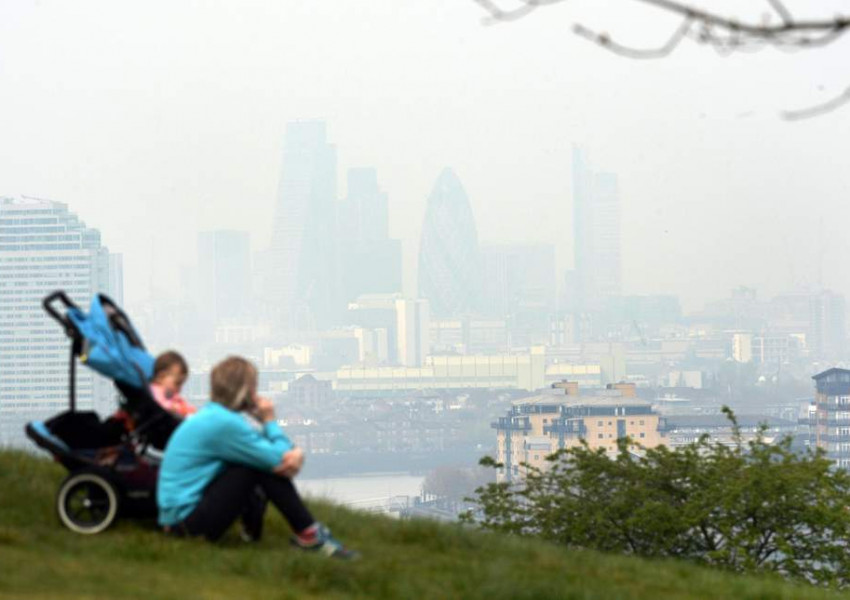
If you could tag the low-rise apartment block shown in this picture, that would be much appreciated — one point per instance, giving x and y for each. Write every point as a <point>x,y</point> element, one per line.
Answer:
<point>538,426</point>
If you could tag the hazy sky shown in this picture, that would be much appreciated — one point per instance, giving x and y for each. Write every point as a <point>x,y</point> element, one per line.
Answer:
<point>156,119</point>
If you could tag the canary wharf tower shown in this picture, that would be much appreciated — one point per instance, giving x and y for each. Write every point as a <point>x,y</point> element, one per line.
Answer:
<point>449,273</point>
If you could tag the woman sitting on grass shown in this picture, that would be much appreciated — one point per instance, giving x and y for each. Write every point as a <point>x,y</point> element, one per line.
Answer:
<point>217,462</point>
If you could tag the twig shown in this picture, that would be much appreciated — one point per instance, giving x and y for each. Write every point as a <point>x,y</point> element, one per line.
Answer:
<point>524,9</point>
<point>818,110</point>
<point>650,53</point>
<point>782,11</point>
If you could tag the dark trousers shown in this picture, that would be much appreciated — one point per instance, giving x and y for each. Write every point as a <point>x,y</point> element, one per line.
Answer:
<point>244,492</point>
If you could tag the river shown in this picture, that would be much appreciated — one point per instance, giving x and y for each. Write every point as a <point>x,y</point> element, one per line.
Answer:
<point>371,491</point>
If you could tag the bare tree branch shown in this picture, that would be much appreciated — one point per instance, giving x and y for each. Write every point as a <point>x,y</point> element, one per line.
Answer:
<point>604,40</point>
<point>818,110</point>
<point>782,11</point>
<point>523,8</point>
<point>725,34</point>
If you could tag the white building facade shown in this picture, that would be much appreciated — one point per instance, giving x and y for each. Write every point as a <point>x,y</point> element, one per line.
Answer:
<point>43,248</point>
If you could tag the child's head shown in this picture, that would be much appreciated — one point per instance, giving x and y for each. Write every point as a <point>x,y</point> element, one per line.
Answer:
<point>170,371</point>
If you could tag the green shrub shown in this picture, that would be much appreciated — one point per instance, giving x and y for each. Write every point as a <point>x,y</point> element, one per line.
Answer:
<point>746,507</point>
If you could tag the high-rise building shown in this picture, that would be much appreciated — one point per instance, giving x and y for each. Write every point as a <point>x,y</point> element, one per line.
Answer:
<point>519,286</point>
<point>116,278</point>
<point>377,312</point>
<point>224,275</point>
<point>828,326</point>
<point>303,283</point>
<point>364,213</point>
<point>44,247</point>
<point>518,276</point>
<point>402,326</point>
<point>414,331</point>
<point>449,261</point>
<point>596,223</point>
<point>370,262</point>
<point>819,317</point>
<point>742,347</point>
<point>830,420</point>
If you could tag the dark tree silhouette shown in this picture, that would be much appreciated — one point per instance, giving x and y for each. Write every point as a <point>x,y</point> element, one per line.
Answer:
<point>778,28</point>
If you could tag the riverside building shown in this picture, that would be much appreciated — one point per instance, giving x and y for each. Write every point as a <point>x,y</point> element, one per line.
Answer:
<point>830,419</point>
<point>538,426</point>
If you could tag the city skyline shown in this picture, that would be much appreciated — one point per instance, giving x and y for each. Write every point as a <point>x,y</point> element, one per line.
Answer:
<point>201,147</point>
<point>514,268</point>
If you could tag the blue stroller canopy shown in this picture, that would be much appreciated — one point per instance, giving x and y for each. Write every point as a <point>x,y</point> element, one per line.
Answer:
<point>110,344</point>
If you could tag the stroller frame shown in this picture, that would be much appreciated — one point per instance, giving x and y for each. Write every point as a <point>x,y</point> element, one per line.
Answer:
<point>112,467</point>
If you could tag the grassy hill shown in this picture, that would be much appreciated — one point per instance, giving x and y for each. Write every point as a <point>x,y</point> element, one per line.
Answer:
<point>401,559</point>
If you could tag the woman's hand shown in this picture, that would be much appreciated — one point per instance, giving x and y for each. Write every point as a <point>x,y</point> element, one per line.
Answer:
<point>264,410</point>
<point>291,464</point>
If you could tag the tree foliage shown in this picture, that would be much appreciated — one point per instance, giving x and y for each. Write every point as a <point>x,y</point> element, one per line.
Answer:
<point>455,483</point>
<point>748,507</point>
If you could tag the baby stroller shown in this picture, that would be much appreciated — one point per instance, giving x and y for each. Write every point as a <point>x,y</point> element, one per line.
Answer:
<point>112,464</point>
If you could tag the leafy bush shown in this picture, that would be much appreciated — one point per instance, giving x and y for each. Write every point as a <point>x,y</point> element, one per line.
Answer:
<point>748,507</point>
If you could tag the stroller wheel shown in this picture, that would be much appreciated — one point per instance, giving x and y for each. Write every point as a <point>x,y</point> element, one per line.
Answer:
<point>86,503</point>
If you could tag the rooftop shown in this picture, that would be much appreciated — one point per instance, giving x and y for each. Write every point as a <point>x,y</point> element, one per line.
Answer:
<point>832,371</point>
<point>563,399</point>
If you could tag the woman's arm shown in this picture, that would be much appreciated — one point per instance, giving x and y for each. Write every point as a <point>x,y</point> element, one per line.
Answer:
<point>292,460</point>
<point>242,444</point>
<point>291,464</point>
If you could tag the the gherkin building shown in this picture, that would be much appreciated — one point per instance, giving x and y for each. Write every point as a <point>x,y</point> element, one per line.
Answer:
<point>449,266</point>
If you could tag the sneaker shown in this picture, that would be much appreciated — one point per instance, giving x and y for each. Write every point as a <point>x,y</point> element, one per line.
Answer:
<point>326,544</point>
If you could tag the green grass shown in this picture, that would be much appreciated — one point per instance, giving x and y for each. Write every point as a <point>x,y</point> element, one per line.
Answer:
<point>39,559</point>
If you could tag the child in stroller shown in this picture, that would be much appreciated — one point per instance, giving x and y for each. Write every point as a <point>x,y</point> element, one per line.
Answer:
<point>113,464</point>
<point>169,374</point>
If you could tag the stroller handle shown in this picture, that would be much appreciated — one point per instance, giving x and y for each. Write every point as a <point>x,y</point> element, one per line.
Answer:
<point>119,319</point>
<point>60,318</point>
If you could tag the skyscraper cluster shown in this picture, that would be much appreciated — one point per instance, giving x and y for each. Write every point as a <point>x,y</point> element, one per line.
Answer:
<point>326,251</point>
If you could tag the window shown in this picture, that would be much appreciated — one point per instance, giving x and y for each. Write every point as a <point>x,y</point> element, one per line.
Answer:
<point>599,423</point>
<point>600,436</point>
<point>641,422</point>
<point>642,434</point>
<point>545,421</point>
